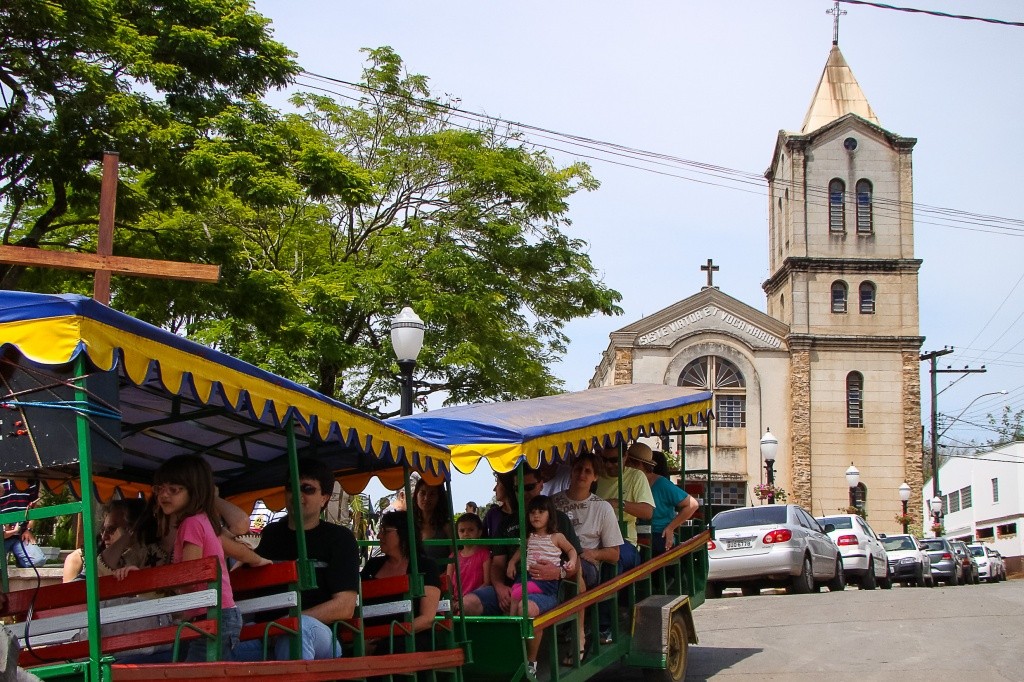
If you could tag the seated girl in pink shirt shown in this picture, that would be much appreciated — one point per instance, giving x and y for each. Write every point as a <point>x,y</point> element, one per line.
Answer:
<point>474,560</point>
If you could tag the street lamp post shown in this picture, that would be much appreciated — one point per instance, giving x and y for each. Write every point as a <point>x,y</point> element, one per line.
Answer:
<point>769,446</point>
<point>936,504</point>
<point>904,498</point>
<point>407,340</point>
<point>852,479</point>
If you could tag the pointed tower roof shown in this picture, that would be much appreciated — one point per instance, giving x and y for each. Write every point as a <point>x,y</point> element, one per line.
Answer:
<point>838,94</point>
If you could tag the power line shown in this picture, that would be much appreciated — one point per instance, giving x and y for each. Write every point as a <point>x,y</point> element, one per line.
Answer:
<point>728,178</point>
<point>934,13</point>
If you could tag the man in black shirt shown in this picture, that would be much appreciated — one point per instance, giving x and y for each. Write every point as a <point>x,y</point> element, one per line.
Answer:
<point>335,555</point>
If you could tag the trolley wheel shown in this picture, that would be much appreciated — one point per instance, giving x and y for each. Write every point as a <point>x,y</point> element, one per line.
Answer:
<point>678,651</point>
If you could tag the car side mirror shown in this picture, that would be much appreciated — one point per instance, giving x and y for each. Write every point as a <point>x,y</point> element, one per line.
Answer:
<point>881,536</point>
<point>829,527</point>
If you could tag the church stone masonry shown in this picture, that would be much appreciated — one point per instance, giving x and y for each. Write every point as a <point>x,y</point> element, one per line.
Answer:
<point>833,367</point>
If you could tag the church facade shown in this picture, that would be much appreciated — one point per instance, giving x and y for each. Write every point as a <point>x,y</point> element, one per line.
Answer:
<point>832,367</point>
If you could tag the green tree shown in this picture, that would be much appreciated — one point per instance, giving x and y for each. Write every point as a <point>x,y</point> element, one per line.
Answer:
<point>79,77</point>
<point>466,225</point>
<point>1009,427</point>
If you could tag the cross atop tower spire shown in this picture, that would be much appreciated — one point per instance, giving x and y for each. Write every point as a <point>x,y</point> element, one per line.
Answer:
<point>836,13</point>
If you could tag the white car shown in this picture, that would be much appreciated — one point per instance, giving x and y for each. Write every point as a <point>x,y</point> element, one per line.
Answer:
<point>909,563</point>
<point>864,557</point>
<point>990,563</point>
<point>771,545</point>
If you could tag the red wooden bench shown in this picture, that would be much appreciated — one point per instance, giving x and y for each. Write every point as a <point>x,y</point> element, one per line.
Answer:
<point>50,620</point>
<point>250,587</point>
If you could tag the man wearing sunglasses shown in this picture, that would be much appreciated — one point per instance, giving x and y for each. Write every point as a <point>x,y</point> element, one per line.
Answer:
<point>637,500</point>
<point>335,556</point>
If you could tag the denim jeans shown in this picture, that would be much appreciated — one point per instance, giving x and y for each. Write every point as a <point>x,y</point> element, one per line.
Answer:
<point>22,556</point>
<point>317,643</point>
<point>230,628</point>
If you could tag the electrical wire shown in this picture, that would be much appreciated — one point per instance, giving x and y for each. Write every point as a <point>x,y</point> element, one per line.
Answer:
<point>934,13</point>
<point>599,150</point>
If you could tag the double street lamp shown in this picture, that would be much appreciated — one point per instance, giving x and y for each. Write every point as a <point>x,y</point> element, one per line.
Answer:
<point>852,479</point>
<point>407,340</point>
<point>769,447</point>
<point>904,498</point>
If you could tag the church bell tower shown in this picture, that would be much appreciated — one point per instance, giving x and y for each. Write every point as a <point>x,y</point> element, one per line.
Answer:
<point>843,277</point>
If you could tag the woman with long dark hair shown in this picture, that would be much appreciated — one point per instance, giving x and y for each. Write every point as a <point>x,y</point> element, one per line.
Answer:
<point>394,561</point>
<point>433,522</point>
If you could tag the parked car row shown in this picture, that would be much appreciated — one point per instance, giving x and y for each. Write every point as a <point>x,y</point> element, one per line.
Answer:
<point>784,546</point>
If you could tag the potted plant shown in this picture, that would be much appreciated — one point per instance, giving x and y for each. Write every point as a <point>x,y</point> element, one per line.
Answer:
<point>764,491</point>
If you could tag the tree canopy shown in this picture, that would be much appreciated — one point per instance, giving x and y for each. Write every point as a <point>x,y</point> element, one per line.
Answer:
<point>80,77</point>
<point>330,218</point>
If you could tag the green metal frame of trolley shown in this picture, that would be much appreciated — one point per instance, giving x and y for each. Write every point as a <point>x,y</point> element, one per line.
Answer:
<point>105,398</point>
<point>660,593</point>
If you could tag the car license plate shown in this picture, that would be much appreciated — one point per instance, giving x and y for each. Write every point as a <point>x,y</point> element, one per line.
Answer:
<point>739,544</point>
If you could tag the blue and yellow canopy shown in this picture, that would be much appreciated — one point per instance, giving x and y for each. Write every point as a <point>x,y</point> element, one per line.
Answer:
<point>555,427</point>
<point>176,396</point>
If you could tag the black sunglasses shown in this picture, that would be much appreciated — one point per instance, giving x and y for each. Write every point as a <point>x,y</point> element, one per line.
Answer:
<point>530,486</point>
<point>309,489</point>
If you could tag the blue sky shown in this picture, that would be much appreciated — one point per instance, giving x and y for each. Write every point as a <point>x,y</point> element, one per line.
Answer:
<point>713,82</point>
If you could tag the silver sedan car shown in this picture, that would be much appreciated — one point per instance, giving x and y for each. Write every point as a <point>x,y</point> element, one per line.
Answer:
<point>772,545</point>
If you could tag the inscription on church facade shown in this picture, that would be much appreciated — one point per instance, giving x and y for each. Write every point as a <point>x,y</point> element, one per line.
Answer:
<point>705,313</point>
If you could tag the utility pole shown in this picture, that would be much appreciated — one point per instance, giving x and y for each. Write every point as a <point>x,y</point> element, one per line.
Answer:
<point>931,357</point>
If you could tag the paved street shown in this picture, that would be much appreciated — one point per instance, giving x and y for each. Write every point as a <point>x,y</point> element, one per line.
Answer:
<point>903,633</point>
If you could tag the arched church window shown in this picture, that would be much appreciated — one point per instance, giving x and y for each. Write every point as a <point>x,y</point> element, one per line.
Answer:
<point>864,225</point>
<point>837,205</point>
<point>867,298</point>
<point>839,292</point>
<point>855,400</point>
<point>713,373</point>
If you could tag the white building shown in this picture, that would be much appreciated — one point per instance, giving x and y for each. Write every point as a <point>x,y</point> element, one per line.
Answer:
<point>983,500</point>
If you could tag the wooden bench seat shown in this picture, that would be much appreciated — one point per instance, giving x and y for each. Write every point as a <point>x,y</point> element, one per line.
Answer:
<point>257,581</point>
<point>51,619</point>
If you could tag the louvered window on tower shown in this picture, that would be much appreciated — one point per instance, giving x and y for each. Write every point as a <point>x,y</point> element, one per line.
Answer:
<point>839,292</point>
<point>837,206</point>
<point>864,225</point>
<point>867,298</point>
<point>854,400</point>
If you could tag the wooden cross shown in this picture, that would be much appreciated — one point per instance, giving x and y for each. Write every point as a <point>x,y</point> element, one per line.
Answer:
<point>836,13</point>
<point>711,269</point>
<point>103,263</point>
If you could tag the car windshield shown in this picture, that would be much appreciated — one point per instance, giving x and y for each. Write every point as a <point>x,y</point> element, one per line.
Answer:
<point>932,544</point>
<point>750,516</point>
<point>840,522</point>
<point>899,542</point>
<point>978,551</point>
